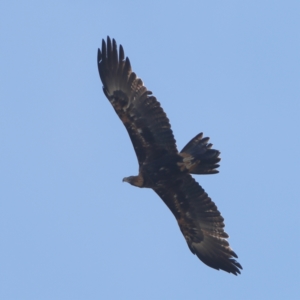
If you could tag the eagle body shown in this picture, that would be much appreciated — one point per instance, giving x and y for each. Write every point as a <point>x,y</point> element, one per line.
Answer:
<point>163,170</point>
<point>161,166</point>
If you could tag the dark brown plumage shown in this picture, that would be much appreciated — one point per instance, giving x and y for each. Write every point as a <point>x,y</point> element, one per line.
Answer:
<point>161,166</point>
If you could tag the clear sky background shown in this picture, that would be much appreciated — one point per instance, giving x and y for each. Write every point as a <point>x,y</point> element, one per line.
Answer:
<point>69,227</point>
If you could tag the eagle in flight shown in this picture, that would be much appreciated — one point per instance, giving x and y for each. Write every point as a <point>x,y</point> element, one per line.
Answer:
<point>161,167</point>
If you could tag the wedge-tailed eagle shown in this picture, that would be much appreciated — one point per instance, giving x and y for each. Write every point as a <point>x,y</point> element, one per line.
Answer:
<point>161,167</point>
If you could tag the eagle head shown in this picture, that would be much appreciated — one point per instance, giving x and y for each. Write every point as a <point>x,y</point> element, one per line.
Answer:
<point>134,180</point>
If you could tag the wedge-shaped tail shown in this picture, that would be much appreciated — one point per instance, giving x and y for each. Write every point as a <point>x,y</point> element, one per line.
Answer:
<point>198,156</point>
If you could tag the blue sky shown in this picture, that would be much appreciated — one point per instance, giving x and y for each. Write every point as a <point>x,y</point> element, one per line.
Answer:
<point>69,227</point>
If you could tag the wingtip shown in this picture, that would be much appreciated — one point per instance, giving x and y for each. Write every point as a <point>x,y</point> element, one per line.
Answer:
<point>111,44</point>
<point>224,260</point>
<point>127,65</point>
<point>103,48</point>
<point>99,56</point>
<point>236,267</point>
<point>121,53</point>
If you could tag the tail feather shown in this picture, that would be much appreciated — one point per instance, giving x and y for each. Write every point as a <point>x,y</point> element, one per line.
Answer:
<point>199,157</point>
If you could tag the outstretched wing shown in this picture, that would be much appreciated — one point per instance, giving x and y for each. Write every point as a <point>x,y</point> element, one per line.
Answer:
<point>200,222</point>
<point>146,122</point>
